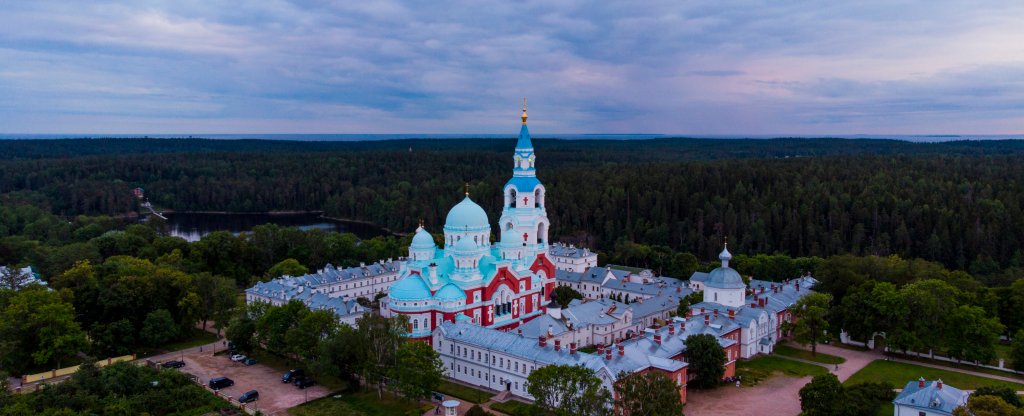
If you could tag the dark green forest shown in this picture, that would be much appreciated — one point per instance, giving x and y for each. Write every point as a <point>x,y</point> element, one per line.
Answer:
<point>958,203</point>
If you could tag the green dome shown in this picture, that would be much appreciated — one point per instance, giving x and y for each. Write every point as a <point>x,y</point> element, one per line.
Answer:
<point>466,215</point>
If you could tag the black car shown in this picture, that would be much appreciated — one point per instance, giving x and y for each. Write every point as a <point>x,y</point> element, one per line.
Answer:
<point>304,382</point>
<point>173,364</point>
<point>292,375</point>
<point>249,396</point>
<point>221,382</point>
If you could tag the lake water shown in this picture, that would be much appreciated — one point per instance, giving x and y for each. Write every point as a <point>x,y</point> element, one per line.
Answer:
<point>192,226</point>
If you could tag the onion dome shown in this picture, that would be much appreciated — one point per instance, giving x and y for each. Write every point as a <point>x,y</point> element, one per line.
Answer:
<point>422,239</point>
<point>509,238</point>
<point>465,245</point>
<point>409,288</point>
<point>725,277</point>
<point>466,214</point>
<point>450,293</point>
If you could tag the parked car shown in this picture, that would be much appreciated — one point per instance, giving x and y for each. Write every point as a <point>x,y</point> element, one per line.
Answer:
<point>290,376</point>
<point>173,364</point>
<point>221,382</point>
<point>304,382</point>
<point>238,358</point>
<point>249,396</point>
<point>249,361</point>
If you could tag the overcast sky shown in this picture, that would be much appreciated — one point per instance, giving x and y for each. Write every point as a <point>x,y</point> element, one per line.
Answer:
<point>679,67</point>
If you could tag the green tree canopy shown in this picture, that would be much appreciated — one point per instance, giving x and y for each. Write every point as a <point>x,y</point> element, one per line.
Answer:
<point>287,267</point>
<point>650,393</point>
<point>565,390</point>
<point>822,396</point>
<point>706,360</point>
<point>810,319</point>
<point>565,294</point>
<point>418,370</point>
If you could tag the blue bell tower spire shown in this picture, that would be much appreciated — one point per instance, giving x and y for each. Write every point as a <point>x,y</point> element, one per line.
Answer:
<point>524,157</point>
<point>524,220</point>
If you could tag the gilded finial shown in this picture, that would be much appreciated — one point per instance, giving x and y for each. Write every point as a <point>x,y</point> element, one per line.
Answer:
<point>467,188</point>
<point>524,111</point>
<point>727,241</point>
<point>421,222</point>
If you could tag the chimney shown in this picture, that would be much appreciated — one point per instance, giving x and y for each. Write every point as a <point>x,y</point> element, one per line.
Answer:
<point>433,273</point>
<point>732,314</point>
<point>558,345</point>
<point>572,348</point>
<point>762,289</point>
<point>657,338</point>
<point>701,310</point>
<point>622,350</point>
<point>707,319</point>
<point>608,354</point>
<point>716,312</point>
<point>920,383</point>
<point>753,304</point>
<point>600,349</point>
<point>797,286</point>
<point>938,384</point>
<point>762,302</point>
<point>682,327</point>
<point>679,289</point>
<point>520,331</point>
<point>671,329</point>
<point>543,342</point>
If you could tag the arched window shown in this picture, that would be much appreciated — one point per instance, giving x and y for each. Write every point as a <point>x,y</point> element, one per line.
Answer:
<point>415,324</point>
<point>512,198</point>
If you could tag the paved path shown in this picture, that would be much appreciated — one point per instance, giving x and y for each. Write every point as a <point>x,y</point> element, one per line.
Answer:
<point>855,360</point>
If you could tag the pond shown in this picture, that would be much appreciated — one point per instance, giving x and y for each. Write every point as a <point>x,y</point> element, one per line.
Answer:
<point>193,225</point>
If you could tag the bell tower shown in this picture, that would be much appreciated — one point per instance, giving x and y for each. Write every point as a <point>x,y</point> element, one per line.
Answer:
<point>524,217</point>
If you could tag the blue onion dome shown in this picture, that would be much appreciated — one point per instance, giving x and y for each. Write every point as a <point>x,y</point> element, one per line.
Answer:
<point>422,239</point>
<point>450,293</point>
<point>509,238</point>
<point>465,245</point>
<point>410,288</point>
<point>466,214</point>
<point>725,255</point>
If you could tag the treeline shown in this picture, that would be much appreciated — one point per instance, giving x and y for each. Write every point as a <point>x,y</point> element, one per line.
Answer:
<point>916,305</point>
<point>956,203</point>
<point>119,389</point>
<point>114,289</point>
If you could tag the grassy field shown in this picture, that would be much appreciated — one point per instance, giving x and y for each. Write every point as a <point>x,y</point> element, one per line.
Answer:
<point>510,406</point>
<point>806,355</point>
<point>899,374</point>
<point>364,403</point>
<point>466,393</point>
<point>762,367</point>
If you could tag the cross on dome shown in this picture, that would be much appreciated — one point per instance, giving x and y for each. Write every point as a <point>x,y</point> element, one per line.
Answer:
<point>524,111</point>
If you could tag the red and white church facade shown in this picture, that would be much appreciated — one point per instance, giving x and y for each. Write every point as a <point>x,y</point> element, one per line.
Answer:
<point>496,285</point>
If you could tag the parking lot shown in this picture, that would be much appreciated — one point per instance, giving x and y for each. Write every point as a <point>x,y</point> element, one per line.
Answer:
<point>275,397</point>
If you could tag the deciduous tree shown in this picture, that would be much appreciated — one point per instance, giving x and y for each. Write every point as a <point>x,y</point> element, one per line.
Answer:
<point>706,359</point>
<point>822,396</point>
<point>810,319</point>
<point>565,390</point>
<point>418,370</point>
<point>650,393</point>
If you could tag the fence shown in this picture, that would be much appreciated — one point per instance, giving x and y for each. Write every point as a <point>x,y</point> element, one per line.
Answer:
<point>66,371</point>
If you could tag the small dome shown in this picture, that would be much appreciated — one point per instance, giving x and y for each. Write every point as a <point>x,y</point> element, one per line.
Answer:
<point>509,238</point>
<point>465,245</point>
<point>422,239</point>
<point>725,278</point>
<point>409,288</point>
<point>725,255</point>
<point>466,214</point>
<point>450,293</point>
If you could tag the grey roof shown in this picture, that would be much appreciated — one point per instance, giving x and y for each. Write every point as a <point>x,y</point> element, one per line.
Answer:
<point>654,305</point>
<point>562,250</point>
<point>538,327</point>
<point>724,277</point>
<point>931,397</point>
<point>699,277</point>
<point>594,312</point>
<point>643,283</point>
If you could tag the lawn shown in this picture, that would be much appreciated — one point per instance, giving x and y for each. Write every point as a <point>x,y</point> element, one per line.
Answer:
<point>463,392</point>
<point>806,355</point>
<point>363,403</point>
<point>511,406</point>
<point>900,373</point>
<point>762,367</point>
